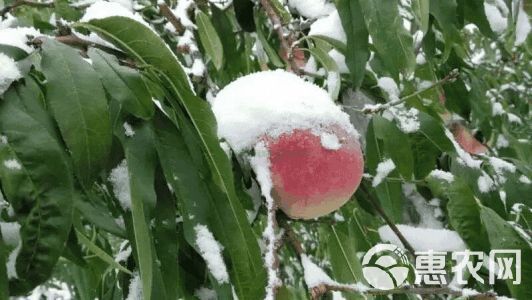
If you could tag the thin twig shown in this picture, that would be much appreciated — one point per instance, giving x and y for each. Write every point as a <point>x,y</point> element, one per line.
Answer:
<point>18,3</point>
<point>388,221</point>
<point>172,18</point>
<point>324,288</point>
<point>381,107</point>
<point>286,44</point>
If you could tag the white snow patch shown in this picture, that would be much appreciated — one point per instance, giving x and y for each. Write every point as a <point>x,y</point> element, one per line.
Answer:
<point>271,103</point>
<point>211,251</point>
<point>312,9</point>
<point>330,26</point>
<point>124,252</point>
<point>135,288</point>
<point>514,119</point>
<point>261,166</point>
<point>8,73</point>
<point>524,179</point>
<point>522,26</point>
<point>501,166</point>
<point>204,293</point>
<point>18,37</point>
<point>497,21</point>
<point>181,12</point>
<point>502,142</point>
<point>12,164</point>
<point>389,86</point>
<point>330,141</point>
<point>383,169</point>
<point>119,178</point>
<point>443,175</point>
<point>496,109</point>
<point>424,239</point>
<point>128,130</point>
<point>407,119</point>
<point>313,274</point>
<point>103,9</point>
<point>485,183</point>
<point>11,236</point>
<point>339,59</point>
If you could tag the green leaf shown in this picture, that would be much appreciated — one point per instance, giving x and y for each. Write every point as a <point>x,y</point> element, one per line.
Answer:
<point>123,84</point>
<point>210,39</point>
<point>474,12</point>
<point>342,249</point>
<point>444,11</point>
<point>100,253</point>
<point>433,131</point>
<point>13,52</point>
<point>78,103</point>
<point>357,54</point>
<point>150,49</point>
<point>141,160</point>
<point>336,44</point>
<point>501,237</point>
<point>99,216</point>
<point>48,187</point>
<point>391,40</point>
<point>421,14</point>
<point>464,216</point>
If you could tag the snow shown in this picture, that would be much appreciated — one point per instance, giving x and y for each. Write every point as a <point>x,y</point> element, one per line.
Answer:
<point>204,293</point>
<point>524,179</point>
<point>261,166</point>
<point>339,59</point>
<point>313,274</point>
<point>3,139</point>
<point>18,37</point>
<point>502,142</point>
<point>311,9</point>
<point>464,158</point>
<point>389,86</point>
<point>135,288</point>
<point>187,40</point>
<point>8,73</point>
<point>424,239</point>
<point>12,164</point>
<point>443,175</point>
<point>522,26</point>
<point>496,109</point>
<point>103,9</point>
<point>211,251</point>
<point>330,141</point>
<point>11,236</point>
<point>271,103</point>
<point>408,119</point>
<point>119,178</point>
<point>124,252</point>
<point>330,26</point>
<point>501,166</point>
<point>128,130</point>
<point>383,169</point>
<point>427,211</point>
<point>514,119</point>
<point>197,69</point>
<point>55,290</point>
<point>181,12</point>
<point>485,183</point>
<point>497,21</point>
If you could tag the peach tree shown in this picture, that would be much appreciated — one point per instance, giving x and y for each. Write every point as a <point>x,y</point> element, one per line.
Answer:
<point>259,149</point>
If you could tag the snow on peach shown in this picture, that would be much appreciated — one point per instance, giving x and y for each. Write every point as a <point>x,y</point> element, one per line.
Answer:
<point>384,168</point>
<point>424,239</point>
<point>311,9</point>
<point>330,141</point>
<point>273,103</point>
<point>443,175</point>
<point>119,179</point>
<point>8,73</point>
<point>211,251</point>
<point>18,37</point>
<point>464,158</point>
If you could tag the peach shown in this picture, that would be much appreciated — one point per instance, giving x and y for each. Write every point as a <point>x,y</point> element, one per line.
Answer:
<point>310,180</point>
<point>466,140</point>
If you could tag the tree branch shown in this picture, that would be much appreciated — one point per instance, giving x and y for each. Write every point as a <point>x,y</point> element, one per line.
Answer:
<point>372,109</point>
<point>18,3</point>
<point>172,18</point>
<point>321,289</point>
<point>286,44</point>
